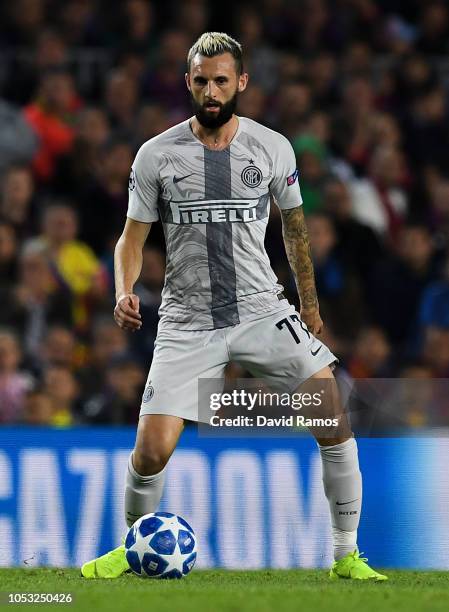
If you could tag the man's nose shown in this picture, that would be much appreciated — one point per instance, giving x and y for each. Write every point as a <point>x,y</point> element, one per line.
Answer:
<point>211,89</point>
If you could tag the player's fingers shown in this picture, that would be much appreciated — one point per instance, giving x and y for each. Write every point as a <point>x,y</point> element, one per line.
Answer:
<point>128,311</point>
<point>130,321</point>
<point>125,321</point>
<point>130,324</point>
<point>131,327</point>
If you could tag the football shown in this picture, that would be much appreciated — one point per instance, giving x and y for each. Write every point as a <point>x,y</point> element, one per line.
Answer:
<point>161,545</point>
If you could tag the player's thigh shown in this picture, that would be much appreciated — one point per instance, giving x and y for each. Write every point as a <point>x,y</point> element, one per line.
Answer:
<point>280,349</point>
<point>156,439</point>
<point>181,359</point>
<point>331,423</point>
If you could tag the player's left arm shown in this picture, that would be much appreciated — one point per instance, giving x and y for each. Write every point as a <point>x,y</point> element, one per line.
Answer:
<point>297,247</point>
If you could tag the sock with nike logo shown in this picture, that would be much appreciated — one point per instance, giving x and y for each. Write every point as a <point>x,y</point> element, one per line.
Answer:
<point>142,493</point>
<point>343,487</point>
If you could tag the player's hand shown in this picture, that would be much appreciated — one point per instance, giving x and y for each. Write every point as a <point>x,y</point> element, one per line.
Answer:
<point>313,320</point>
<point>126,312</point>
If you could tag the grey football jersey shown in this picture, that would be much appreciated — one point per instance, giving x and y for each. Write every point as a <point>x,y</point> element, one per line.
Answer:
<point>214,206</point>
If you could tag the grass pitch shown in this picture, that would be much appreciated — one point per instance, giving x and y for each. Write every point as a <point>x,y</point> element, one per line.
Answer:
<point>232,591</point>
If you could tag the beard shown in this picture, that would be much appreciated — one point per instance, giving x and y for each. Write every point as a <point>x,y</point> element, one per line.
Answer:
<point>213,121</point>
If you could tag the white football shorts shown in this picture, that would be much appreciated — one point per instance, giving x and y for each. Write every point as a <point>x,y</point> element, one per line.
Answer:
<point>276,347</point>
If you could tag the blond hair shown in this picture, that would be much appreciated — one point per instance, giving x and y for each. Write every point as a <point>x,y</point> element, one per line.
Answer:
<point>211,44</point>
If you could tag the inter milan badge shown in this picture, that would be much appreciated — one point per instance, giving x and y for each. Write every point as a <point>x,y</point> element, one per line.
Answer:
<point>252,176</point>
<point>131,181</point>
<point>148,393</point>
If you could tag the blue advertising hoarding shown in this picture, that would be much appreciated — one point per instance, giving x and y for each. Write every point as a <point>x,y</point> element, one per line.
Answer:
<point>252,502</point>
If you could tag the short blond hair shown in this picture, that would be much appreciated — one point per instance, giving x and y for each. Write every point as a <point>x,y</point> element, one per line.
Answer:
<point>211,44</point>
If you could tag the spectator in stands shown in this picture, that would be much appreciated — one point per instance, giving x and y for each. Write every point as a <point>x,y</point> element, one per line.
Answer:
<point>81,23</point>
<point>51,116</point>
<point>8,255</point>
<point>322,73</point>
<point>352,122</point>
<point>18,142</point>
<point>50,52</point>
<point>107,341</point>
<point>119,400</point>
<point>435,352</point>
<point>358,244</point>
<point>121,99</point>
<point>59,348</point>
<point>252,103</point>
<point>35,302</point>
<point>293,106</point>
<point>62,388</point>
<point>434,31</point>
<point>372,355</point>
<point>311,157</point>
<point>357,59</point>
<point>38,408</point>
<point>17,199</point>
<point>13,382</point>
<point>192,17</point>
<point>398,282</point>
<point>104,200</point>
<point>419,408</point>
<point>24,19</point>
<point>74,263</point>
<point>136,26</point>
<point>151,121</point>
<point>261,60</point>
<point>385,132</point>
<point>92,132</point>
<point>380,200</point>
<point>164,83</point>
<point>433,311</point>
<point>426,128</point>
<point>439,211</point>
<point>340,294</point>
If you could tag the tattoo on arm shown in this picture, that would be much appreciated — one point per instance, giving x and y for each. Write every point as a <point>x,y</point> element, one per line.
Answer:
<point>297,247</point>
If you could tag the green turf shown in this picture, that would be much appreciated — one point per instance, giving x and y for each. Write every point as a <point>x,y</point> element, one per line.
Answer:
<point>233,591</point>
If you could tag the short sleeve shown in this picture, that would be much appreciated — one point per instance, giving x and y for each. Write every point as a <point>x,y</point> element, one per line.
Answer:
<point>143,187</point>
<point>285,184</point>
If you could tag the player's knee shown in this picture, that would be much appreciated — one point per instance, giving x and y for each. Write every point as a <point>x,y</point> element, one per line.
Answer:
<point>149,461</point>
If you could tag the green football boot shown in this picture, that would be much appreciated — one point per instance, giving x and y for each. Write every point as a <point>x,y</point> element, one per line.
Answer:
<point>111,565</point>
<point>355,567</point>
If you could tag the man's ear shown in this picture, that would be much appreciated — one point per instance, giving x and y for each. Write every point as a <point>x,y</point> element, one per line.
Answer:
<point>187,78</point>
<point>243,82</point>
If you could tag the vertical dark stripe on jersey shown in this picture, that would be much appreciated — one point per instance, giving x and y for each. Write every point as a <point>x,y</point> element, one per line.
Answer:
<point>223,283</point>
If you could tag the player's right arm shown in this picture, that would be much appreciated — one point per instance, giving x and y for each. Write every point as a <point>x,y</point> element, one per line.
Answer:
<point>142,211</point>
<point>127,268</point>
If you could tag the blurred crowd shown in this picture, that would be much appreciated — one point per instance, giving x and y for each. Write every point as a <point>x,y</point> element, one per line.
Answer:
<point>360,87</point>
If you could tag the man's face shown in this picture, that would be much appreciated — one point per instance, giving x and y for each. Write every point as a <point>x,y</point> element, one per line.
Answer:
<point>214,84</point>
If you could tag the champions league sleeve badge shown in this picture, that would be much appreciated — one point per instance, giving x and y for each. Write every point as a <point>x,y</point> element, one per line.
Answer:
<point>292,178</point>
<point>132,181</point>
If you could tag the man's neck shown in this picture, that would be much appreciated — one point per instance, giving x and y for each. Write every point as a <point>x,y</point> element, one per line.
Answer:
<point>215,138</point>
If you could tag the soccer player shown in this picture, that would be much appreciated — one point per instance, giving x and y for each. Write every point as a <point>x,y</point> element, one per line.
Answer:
<point>209,180</point>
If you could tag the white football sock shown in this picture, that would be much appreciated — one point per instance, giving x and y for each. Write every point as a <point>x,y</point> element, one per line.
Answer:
<point>343,488</point>
<point>142,493</point>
